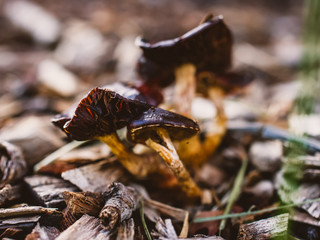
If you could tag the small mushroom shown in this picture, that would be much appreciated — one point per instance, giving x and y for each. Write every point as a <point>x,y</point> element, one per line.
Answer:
<point>204,48</point>
<point>157,128</point>
<point>98,116</point>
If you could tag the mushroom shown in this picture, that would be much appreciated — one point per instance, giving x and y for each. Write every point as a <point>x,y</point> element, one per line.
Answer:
<point>214,87</point>
<point>98,116</point>
<point>204,48</point>
<point>157,128</point>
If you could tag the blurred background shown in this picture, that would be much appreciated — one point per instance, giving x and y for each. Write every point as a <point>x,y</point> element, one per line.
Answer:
<point>53,51</point>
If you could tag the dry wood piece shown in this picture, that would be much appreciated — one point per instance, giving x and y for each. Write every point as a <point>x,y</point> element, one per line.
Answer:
<point>85,228</point>
<point>303,217</point>
<point>26,210</point>
<point>15,226</point>
<point>95,177</point>
<point>270,228</point>
<point>9,193</point>
<point>165,229</point>
<point>36,140</point>
<point>176,213</point>
<point>126,230</point>
<point>48,190</point>
<point>84,203</point>
<point>43,233</point>
<point>76,158</point>
<point>12,163</point>
<point>79,204</point>
<point>121,201</point>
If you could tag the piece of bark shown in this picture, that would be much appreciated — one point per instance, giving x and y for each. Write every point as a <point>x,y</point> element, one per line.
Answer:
<point>79,204</point>
<point>35,135</point>
<point>48,190</point>
<point>303,217</point>
<point>12,163</point>
<point>77,158</point>
<point>43,233</point>
<point>85,228</point>
<point>95,177</point>
<point>310,166</point>
<point>165,230</point>
<point>304,192</point>
<point>270,228</point>
<point>84,203</point>
<point>10,233</point>
<point>9,193</point>
<point>26,210</point>
<point>126,230</point>
<point>176,213</point>
<point>17,226</point>
<point>121,201</point>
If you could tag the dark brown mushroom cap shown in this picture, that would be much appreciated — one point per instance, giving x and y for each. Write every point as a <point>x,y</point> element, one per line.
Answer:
<point>124,90</point>
<point>100,113</point>
<point>229,81</point>
<point>178,126</point>
<point>207,46</point>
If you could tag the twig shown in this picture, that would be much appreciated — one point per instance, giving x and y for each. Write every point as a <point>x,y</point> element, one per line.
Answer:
<point>12,212</point>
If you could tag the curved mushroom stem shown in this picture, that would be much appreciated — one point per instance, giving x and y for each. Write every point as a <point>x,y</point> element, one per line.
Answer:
<point>201,150</point>
<point>170,155</point>
<point>185,88</point>
<point>135,164</point>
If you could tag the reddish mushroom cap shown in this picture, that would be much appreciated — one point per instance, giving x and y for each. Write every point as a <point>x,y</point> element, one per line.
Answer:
<point>124,90</point>
<point>100,113</point>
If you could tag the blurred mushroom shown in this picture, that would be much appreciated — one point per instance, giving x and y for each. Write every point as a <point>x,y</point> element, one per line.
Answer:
<point>98,116</point>
<point>204,48</point>
<point>12,163</point>
<point>155,128</point>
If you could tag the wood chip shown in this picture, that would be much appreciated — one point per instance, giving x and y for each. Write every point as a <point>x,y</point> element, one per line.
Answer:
<point>43,233</point>
<point>96,177</point>
<point>36,140</point>
<point>12,163</point>
<point>165,229</point>
<point>77,158</point>
<point>48,190</point>
<point>121,201</point>
<point>79,204</point>
<point>13,227</point>
<point>126,230</point>
<point>22,211</point>
<point>85,228</point>
<point>9,193</point>
<point>270,228</point>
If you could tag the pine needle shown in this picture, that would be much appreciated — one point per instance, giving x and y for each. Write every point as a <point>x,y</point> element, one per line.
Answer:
<point>146,230</point>
<point>236,189</point>
<point>56,154</point>
<point>243,214</point>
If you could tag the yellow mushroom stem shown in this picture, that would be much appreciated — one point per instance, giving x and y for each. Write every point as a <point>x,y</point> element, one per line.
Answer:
<point>200,151</point>
<point>184,92</point>
<point>169,154</point>
<point>135,164</point>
